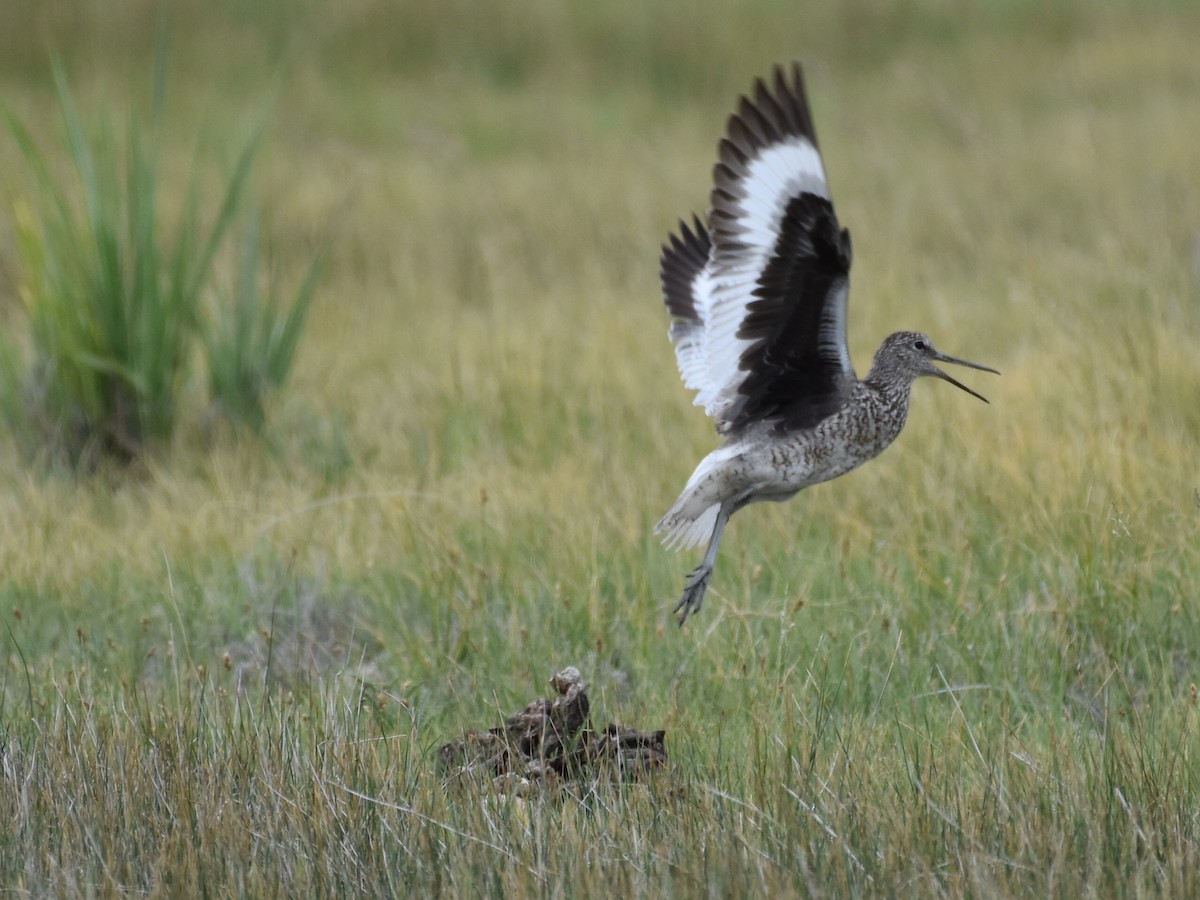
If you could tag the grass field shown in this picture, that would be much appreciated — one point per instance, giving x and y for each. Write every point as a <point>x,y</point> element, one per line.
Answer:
<point>968,669</point>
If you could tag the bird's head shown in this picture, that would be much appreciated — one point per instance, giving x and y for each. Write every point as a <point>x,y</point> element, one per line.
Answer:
<point>909,355</point>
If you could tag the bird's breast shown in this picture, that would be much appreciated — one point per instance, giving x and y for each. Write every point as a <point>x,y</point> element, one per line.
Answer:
<point>838,444</point>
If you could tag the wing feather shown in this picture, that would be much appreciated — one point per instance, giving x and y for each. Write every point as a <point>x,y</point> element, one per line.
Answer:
<point>759,297</point>
<point>687,291</point>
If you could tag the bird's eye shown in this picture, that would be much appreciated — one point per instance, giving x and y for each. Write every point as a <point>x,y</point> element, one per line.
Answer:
<point>920,345</point>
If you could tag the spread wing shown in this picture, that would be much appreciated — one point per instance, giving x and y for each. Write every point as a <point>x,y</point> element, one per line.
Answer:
<point>760,323</point>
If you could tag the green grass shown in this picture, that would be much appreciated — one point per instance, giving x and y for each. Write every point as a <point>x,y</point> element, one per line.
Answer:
<point>113,303</point>
<point>967,669</point>
<point>251,337</point>
<point>117,300</point>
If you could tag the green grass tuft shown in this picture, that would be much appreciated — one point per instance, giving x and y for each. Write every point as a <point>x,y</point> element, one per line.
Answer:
<point>117,300</point>
<point>113,303</point>
<point>251,337</point>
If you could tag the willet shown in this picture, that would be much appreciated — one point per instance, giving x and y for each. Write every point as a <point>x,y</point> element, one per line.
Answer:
<point>758,300</point>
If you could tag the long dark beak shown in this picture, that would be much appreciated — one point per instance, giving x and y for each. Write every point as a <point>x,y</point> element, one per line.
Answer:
<point>943,357</point>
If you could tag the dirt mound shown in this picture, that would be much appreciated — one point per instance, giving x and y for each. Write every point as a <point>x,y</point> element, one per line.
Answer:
<point>553,739</point>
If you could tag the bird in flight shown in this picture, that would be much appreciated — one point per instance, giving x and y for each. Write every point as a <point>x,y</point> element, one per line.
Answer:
<point>757,296</point>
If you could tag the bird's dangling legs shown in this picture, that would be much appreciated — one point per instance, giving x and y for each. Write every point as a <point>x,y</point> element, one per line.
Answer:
<point>697,581</point>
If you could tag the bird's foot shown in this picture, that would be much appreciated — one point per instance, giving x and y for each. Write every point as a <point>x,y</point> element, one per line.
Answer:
<point>693,593</point>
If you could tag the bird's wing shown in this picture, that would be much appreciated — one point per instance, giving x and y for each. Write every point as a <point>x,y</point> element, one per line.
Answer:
<point>687,291</point>
<point>795,368</point>
<point>764,333</point>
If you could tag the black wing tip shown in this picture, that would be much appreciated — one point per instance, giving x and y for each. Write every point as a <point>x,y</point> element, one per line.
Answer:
<point>684,256</point>
<point>782,86</point>
<point>688,243</point>
<point>776,108</point>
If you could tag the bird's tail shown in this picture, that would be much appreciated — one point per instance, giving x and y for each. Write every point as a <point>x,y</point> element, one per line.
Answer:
<point>682,531</point>
<point>684,526</point>
<point>691,519</point>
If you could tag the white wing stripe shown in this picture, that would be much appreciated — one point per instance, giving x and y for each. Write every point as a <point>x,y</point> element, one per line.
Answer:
<point>763,187</point>
<point>758,175</point>
<point>690,340</point>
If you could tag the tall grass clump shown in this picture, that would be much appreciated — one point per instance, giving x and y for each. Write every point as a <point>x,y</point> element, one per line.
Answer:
<point>251,337</point>
<point>115,297</point>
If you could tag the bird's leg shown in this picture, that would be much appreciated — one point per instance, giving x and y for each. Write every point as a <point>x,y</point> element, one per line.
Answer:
<point>697,581</point>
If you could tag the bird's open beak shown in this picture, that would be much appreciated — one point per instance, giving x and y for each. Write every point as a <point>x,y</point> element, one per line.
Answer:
<point>942,357</point>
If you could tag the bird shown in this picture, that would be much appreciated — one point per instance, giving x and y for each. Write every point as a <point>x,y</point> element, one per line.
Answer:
<point>757,295</point>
